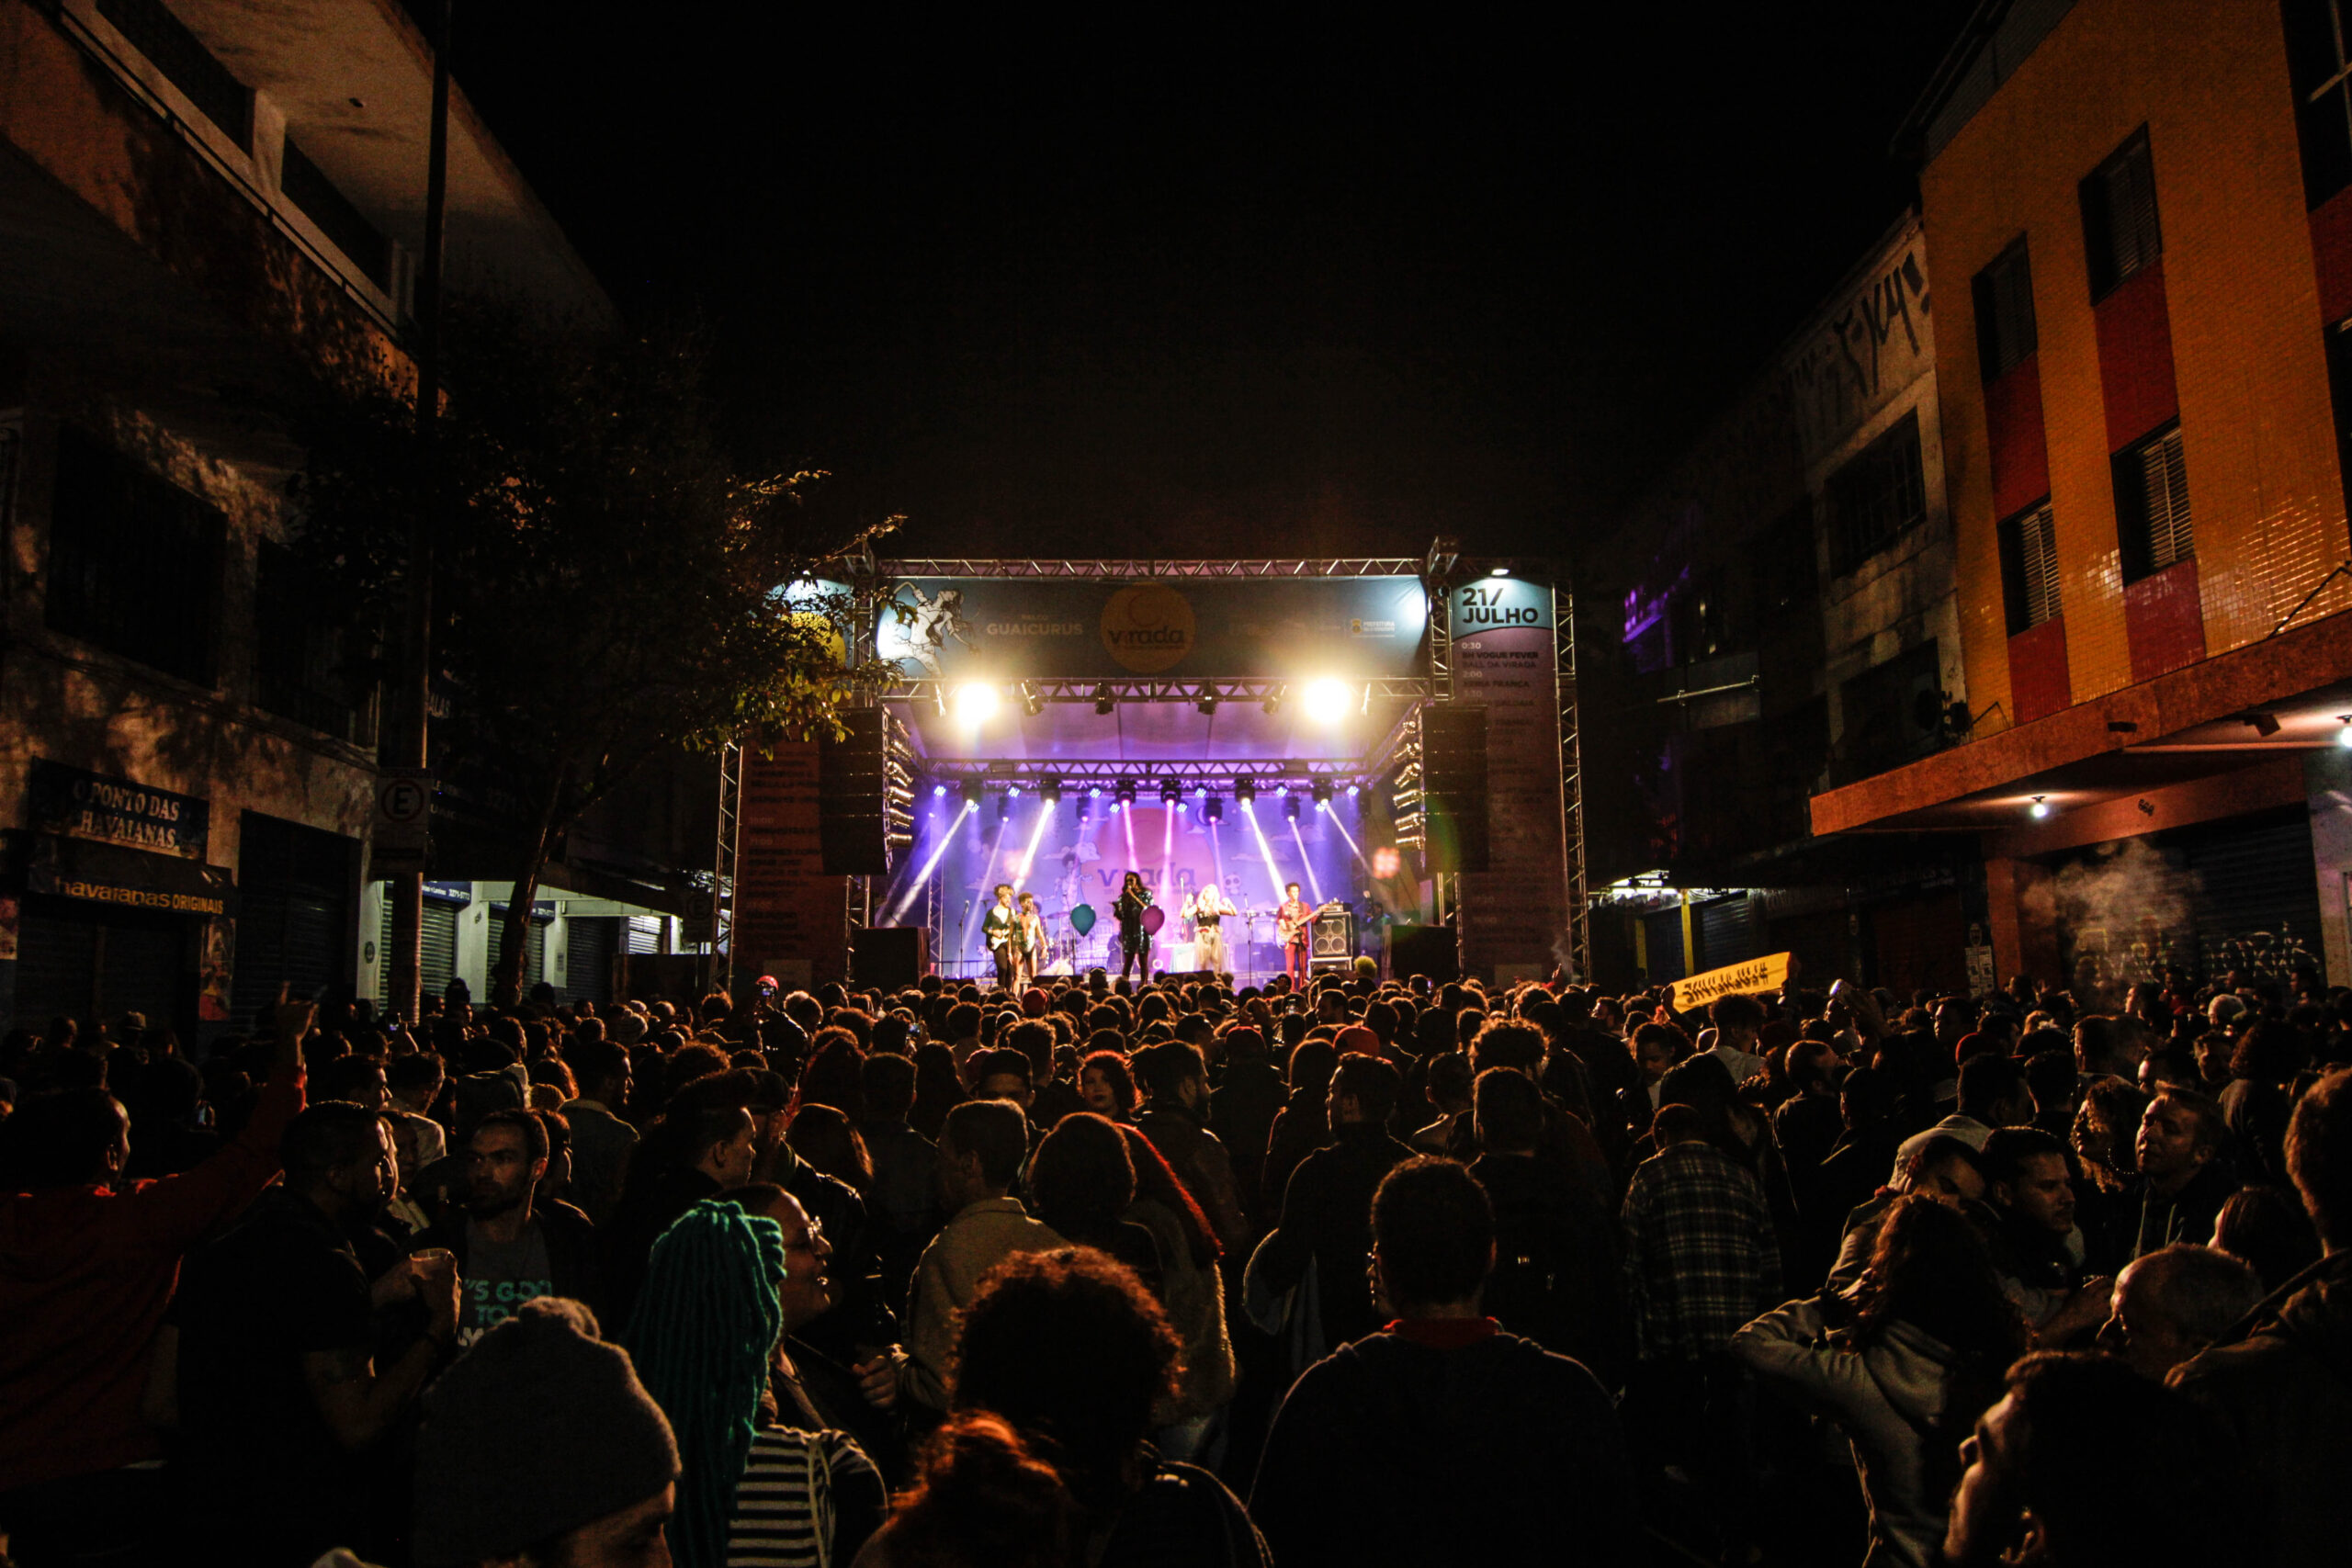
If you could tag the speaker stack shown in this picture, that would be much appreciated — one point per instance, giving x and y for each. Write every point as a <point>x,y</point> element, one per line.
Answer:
<point>1454,782</point>
<point>891,957</point>
<point>865,796</point>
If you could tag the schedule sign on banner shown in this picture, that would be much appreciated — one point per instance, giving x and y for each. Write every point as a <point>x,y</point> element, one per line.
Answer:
<point>1514,916</point>
<point>1019,628</point>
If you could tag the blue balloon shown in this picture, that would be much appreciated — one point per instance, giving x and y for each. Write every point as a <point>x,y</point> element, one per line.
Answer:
<point>1081,918</point>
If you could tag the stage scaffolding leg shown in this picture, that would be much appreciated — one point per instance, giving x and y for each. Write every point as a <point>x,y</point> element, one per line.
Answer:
<point>722,881</point>
<point>1579,933</point>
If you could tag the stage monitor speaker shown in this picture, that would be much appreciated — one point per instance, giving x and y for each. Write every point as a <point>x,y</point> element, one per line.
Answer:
<point>1334,936</point>
<point>1423,950</point>
<point>890,956</point>
<point>1453,777</point>
<point>850,833</point>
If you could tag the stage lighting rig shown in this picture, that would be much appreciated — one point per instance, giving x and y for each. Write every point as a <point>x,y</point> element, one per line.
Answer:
<point>1105,703</point>
<point>1171,791</point>
<point>1030,701</point>
<point>1051,788</point>
<point>1273,702</point>
<point>1126,795</point>
<point>1213,809</point>
<point>974,793</point>
<point>1245,791</point>
<point>1290,805</point>
<point>1207,704</point>
<point>1323,795</point>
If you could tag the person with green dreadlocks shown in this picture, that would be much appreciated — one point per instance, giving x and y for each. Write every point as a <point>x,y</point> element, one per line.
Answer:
<point>705,1333</point>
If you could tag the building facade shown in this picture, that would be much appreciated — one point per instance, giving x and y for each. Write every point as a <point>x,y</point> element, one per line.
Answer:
<point>205,209</point>
<point>2139,210</point>
<point>1789,624</point>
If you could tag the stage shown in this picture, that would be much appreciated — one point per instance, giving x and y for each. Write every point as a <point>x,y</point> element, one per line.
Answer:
<point>1396,737</point>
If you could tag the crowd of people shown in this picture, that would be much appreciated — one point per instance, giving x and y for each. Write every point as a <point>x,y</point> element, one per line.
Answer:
<point>1356,1272</point>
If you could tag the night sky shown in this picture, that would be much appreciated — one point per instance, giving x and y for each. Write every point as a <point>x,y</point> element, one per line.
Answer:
<point>1168,284</point>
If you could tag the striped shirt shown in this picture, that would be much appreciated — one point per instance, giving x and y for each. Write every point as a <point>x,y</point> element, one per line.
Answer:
<point>791,1505</point>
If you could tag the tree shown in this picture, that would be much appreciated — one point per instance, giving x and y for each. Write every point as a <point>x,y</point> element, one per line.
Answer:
<point>606,586</point>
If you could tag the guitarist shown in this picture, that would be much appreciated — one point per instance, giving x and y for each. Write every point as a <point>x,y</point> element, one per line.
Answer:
<point>1001,927</point>
<point>1294,929</point>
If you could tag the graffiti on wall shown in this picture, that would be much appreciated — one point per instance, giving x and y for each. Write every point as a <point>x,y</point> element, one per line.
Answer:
<point>1875,342</point>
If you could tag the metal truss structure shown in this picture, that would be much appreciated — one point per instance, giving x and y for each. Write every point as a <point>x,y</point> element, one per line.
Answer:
<point>1409,688</point>
<point>1564,637</point>
<point>1124,571</point>
<point>722,880</point>
<point>1077,774</point>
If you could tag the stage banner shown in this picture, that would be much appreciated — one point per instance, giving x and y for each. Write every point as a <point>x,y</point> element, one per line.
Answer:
<point>1751,978</point>
<point>999,629</point>
<point>785,908</point>
<point>1514,917</point>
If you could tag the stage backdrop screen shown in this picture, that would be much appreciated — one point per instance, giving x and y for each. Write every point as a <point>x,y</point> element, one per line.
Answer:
<point>1228,628</point>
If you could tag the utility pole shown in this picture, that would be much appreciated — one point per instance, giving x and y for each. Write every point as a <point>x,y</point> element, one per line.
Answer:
<point>409,751</point>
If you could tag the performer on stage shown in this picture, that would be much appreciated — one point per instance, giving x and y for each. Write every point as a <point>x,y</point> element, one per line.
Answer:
<point>1206,909</point>
<point>1002,929</point>
<point>1294,929</point>
<point>1032,940</point>
<point>1135,942</point>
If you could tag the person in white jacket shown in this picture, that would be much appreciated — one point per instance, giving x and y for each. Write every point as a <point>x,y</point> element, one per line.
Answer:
<point>1928,1335</point>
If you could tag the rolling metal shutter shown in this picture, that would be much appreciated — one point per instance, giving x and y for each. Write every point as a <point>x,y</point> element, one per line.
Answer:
<point>90,963</point>
<point>1726,933</point>
<point>588,960</point>
<point>294,919</point>
<point>57,964</point>
<point>2257,899</point>
<point>1662,932</point>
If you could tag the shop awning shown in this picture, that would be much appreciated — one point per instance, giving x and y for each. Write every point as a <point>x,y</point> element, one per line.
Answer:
<point>130,879</point>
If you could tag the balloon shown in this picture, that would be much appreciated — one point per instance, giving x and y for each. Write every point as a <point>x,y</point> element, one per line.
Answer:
<point>1081,918</point>
<point>1153,919</point>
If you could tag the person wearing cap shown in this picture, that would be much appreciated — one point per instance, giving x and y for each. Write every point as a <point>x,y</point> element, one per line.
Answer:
<point>540,1448</point>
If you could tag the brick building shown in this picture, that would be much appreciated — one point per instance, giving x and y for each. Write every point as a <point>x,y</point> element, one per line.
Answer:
<point>2140,216</point>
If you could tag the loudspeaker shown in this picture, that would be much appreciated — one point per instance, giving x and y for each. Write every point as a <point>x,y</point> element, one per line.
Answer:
<point>1334,936</point>
<point>1423,950</point>
<point>850,805</point>
<point>890,956</point>
<point>1453,777</point>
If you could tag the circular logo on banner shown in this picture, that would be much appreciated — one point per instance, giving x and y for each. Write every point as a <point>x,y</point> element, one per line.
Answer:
<point>1147,627</point>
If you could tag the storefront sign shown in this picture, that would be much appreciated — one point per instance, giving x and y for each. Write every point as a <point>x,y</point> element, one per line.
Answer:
<point>73,803</point>
<point>131,879</point>
<point>1755,975</point>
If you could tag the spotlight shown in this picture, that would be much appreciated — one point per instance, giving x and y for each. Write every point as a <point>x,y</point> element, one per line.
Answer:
<point>940,789</point>
<point>1200,792</point>
<point>1500,572</point>
<point>1273,702</point>
<point>1171,791</point>
<point>1051,788</point>
<point>1093,792</point>
<point>1013,792</point>
<point>1213,809</point>
<point>1125,791</point>
<point>977,702</point>
<point>1323,794</point>
<point>1031,701</point>
<point>2344,735</point>
<point>1328,701</point>
<point>974,791</point>
<point>2040,809</point>
<point>1354,790</point>
<point>1103,700</point>
<point>1290,805</point>
<point>1245,791</point>
<point>1207,704</point>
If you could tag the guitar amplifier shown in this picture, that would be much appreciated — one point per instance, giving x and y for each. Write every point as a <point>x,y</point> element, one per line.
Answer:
<point>1334,935</point>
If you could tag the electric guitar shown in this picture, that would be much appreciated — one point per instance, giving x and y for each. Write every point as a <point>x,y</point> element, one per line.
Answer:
<point>1288,931</point>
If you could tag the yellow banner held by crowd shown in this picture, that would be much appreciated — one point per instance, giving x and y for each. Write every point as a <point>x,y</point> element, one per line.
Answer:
<point>1768,974</point>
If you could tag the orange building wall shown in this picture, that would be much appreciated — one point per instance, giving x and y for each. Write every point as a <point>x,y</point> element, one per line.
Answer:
<point>2209,79</point>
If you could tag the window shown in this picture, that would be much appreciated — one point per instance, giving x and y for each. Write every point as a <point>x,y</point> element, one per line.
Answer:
<point>2004,291</point>
<point>2151,505</point>
<point>302,666</point>
<point>2321,67</point>
<point>2119,233</point>
<point>185,63</point>
<point>316,195</point>
<point>2030,568</point>
<point>135,561</point>
<point>1879,493</point>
